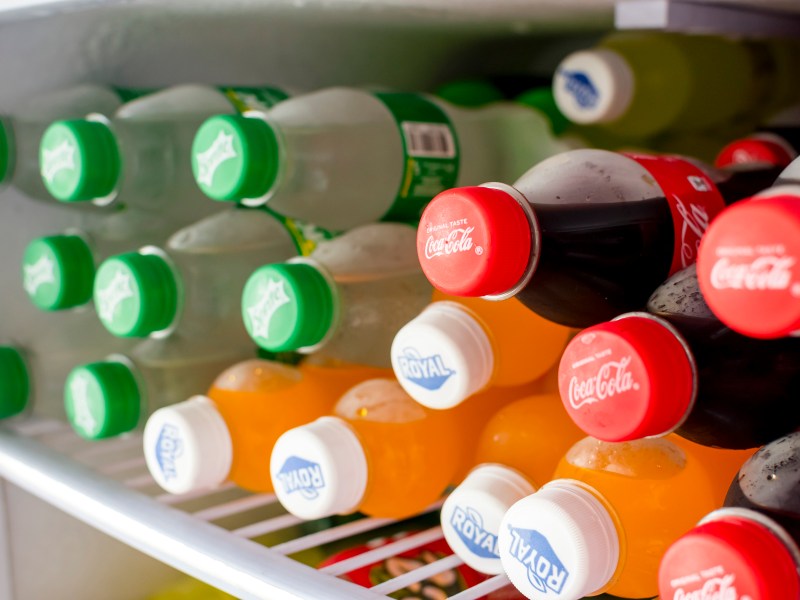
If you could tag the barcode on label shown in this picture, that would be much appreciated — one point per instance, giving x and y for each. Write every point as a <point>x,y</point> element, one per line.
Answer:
<point>428,139</point>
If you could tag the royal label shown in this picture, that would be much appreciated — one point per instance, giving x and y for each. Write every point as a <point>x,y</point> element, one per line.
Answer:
<point>60,158</point>
<point>300,475</point>
<point>533,551</point>
<point>428,372</point>
<point>110,297</point>
<point>580,87</point>
<point>430,153</point>
<point>38,274</point>
<point>212,158</point>
<point>754,270</point>
<point>169,447</point>
<point>272,296</point>
<point>709,584</point>
<point>693,201</point>
<point>468,524</point>
<point>610,379</point>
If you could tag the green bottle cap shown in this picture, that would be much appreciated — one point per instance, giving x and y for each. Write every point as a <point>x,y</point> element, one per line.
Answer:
<point>14,382</point>
<point>102,399</point>
<point>287,306</point>
<point>136,294</point>
<point>58,272</point>
<point>5,151</point>
<point>79,160</point>
<point>470,93</point>
<point>542,99</point>
<point>235,157</point>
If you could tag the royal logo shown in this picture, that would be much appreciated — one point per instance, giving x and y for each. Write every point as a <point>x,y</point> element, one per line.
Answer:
<point>169,447</point>
<point>110,297</point>
<point>272,297</point>
<point>301,475</point>
<point>612,378</point>
<point>531,549</point>
<point>60,158</point>
<point>458,240</point>
<point>763,273</point>
<point>208,161</point>
<point>717,588</point>
<point>82,417</point>
<point>581,87</point>
<point>468,524</point>
<point>38,274</point>
<point>428,372</point>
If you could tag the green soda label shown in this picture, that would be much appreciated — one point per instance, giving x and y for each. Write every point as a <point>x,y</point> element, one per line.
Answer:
<point>430,152</point>
<point>254,98</point>
<point>305,236</point>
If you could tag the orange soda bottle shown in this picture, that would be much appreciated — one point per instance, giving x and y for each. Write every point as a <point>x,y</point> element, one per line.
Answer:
<point>459,346</point>
<point>517,450</point>
<point>604,521</point>
<point>227,434</point>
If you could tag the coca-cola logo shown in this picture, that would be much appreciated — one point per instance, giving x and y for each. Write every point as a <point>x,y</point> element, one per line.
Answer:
<point>456,241</point>
<point>695,221</point>
<point>717,588</point>
<point>769,272</point>
<point>611,379</point>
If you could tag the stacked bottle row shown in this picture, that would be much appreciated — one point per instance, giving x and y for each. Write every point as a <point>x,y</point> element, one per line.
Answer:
<point>402,355</point>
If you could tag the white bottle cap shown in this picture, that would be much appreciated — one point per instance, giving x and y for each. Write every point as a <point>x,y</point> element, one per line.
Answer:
<point>559,543</point>
<point>319,469</point>
<point>187,446</point>
<point>472,513</point>
<point>442,356</point>
<point>593,86</point>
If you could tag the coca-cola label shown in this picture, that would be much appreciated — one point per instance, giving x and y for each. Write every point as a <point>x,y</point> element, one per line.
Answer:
<point>754,268</point>
<point>714,583</point>
<point>452,237</point>
<point>693,201</point>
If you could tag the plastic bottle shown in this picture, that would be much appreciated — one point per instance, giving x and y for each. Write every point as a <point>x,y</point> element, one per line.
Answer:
<point>346,301</point>
<point>139,156</point>
<point>678,368</point>
<point>639,84</point>
<point>193,284</point>
<point>764,148</point>
<point>603,522</point>
<point>517,451</point>
<point>113,396</point>
<point>21,131</point>
<point>342,157</point>
<point>229,433</point>
<point>580,237</point>
<point>458,346</point>
<point>750,548</point>
<point>748,268</point>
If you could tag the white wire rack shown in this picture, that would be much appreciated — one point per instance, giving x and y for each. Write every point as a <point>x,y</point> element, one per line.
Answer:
<point>210,534</point>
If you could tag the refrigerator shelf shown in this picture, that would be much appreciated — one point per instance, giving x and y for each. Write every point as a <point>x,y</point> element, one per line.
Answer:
<point>106,485</point>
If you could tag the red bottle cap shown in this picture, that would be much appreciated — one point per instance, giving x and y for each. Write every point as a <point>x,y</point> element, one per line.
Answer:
<point>627,379</point>
<point>474,241</point>
<point>758,149</point>
<point>732,557</point>
<point>748,266</point>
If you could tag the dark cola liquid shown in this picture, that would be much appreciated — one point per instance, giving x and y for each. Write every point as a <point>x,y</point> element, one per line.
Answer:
<point>769,482</point>
<point>748,390</point>
<point>739,182</point>
<point>598,260</point>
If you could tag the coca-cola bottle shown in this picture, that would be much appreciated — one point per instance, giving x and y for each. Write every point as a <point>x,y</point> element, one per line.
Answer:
<point>678,368</point>
<point>750,548</point>
<point>762,148</point>
<point>582,236</point>
<point>748,264</point>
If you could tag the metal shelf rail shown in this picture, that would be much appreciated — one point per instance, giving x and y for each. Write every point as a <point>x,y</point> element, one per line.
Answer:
<point>106,484</point>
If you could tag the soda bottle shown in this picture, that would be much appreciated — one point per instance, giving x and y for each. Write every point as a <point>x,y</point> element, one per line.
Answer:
<point>346,301</point>
<point>228,433</point>
<point>458,346</point>
<point>763,148</point>
<point>603,522</point>
<point>341,157</point>
<point>678,368</point>
<point>517,450</point>
<point>113,396</point>
<point>750,548</point>
<point>21,131</point>
<point>638,84</point>
<point>747,266</point>
<point>192,284</point>
<point>581,237</point>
